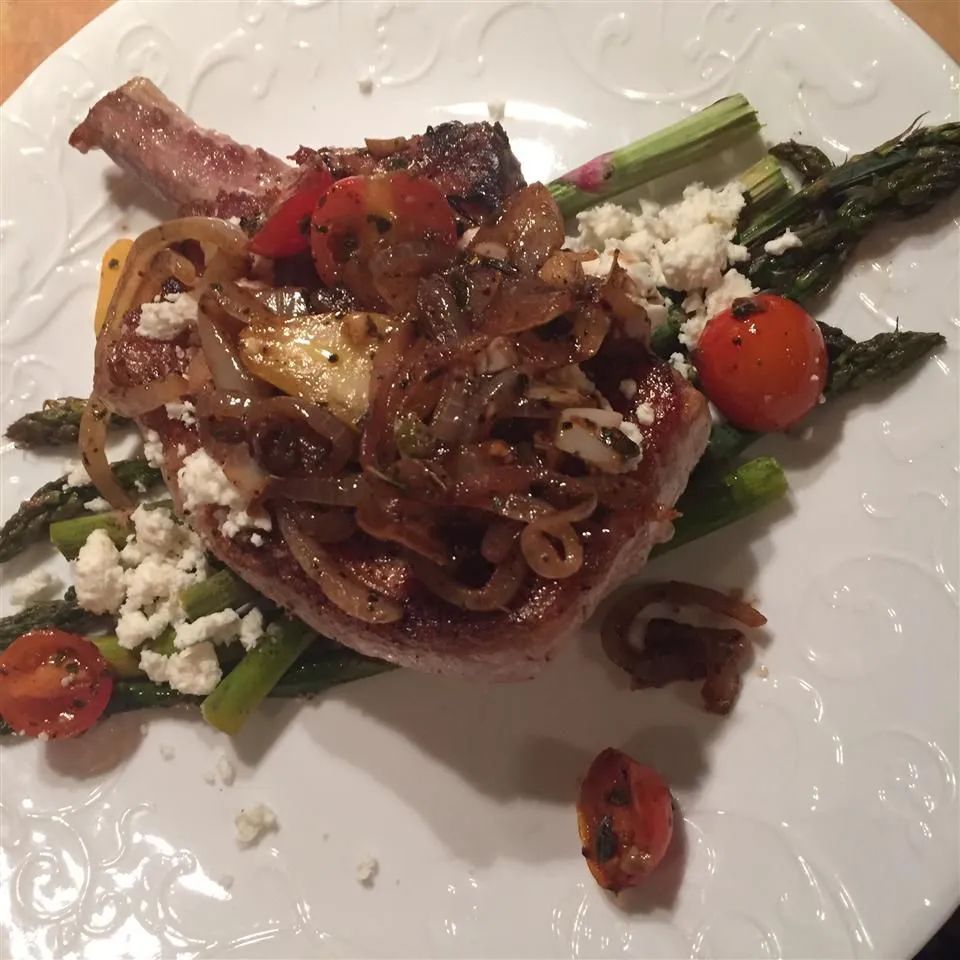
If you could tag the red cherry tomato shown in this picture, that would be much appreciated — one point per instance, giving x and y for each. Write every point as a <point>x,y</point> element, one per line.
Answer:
<point>763,362</point>
<point>361,215</point>
<point>625,818</point>
<point>287,230</point>
<point>53,683</point>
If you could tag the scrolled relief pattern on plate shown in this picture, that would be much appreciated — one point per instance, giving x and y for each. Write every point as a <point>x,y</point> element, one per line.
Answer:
<point>87,874</point>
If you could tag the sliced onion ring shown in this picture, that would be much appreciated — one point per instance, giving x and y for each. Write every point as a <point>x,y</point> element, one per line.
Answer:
<point>353,598</point>
<point>93,447</point>
<point>503,585</point>
<point>538,539</point>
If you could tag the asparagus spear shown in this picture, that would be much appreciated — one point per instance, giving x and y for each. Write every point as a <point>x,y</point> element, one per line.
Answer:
<point>698,137</point>
<point>710,504</point>
<point>879,359</point>
<point>899,179</point>
<point>62,614</point>
<point>810,162</point>
<point>57,501</point>
<point>239,692</point>
<point>55,424</point>
<point>224,589</point>
<point>68,536</point>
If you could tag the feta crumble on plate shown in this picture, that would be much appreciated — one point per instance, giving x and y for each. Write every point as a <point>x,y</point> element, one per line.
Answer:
<point>787,240</point>
<point>253,822</point>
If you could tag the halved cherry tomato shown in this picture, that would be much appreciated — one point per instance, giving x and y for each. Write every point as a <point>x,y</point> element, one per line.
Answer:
<point>53,683</point>
<point>287,230</point>
<point>625,818</point>
<point>763,362</point>
<point>361,215</point>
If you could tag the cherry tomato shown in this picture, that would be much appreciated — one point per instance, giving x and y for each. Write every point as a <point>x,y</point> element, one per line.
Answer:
<point>763,362</point>
<point>625,818</point>
<point>360,215</point>
<point>287,230</point>
<point>53,683</point>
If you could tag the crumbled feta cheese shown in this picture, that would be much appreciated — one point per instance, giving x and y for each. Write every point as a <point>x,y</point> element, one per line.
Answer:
<point>202,482</point>
<point>632,432</point>
<point>97,505</point>
<point>195,670</point>
<point>98,576</point>
<point>238,520</point>
<point>76,474</point>
<point>733,286</point>
<point>217,628</point>
<point>628,388</point>
<point>181,450</point>
<point>33,587</point>
<point>496,110</point>
<point>251,629</point>
<point>167,318</point>
<point>787,240</point>
<point>680,363</point>
<point>226,771</point>
<point>686,246</point>
<point>256,539</point>
<point>185,412</point>
<point>153,448</point>
<point>157,530</point>
<point>252,822</point>
<point>167,752</point>
<point>645,414</point>
<point>367,870</point>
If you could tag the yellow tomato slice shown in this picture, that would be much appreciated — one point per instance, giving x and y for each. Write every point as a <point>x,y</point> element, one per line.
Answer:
<point>110,269</point>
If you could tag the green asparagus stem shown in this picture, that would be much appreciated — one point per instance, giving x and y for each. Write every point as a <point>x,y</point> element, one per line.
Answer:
<point>240,691</point>
<point>714,503</point>
<point>68,536</point>
<point>879,359</point>
<point>62,614</point>
<point>836,341</point>
<point>142,694</point>
<point>899,179</point>
<point>124,663</point>
<point>697,137</point>
<point>763,185</point>
<point>56,501</point>
<point>56,424</point>
<point>224,589</point>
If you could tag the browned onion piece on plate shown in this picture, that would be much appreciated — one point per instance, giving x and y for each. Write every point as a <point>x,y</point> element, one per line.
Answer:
<point>93,448</point>
<point>504,583</point>
<point>379,149</point>
<point>340,589</point>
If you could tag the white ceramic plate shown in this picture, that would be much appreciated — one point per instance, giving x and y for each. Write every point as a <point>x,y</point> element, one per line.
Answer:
<point>819,819</point>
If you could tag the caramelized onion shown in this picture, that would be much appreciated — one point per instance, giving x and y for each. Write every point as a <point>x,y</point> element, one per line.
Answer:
<point>341,439</point>
<point>344,491</point>
<point>93,448</point>
<point>563,268</point>
<point>325,524</point>
<point>498,541</point>
<point>402,521</point>
<point>529,229</point>
<point>538,539</point>
<point>396,270</point>
<point>438,307</point>
<point>138,400</point>
<point>222,356</point>
<point>352,597</point>
<point>450,418</point>
<point>504,584</point>
<point>379,149</point>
